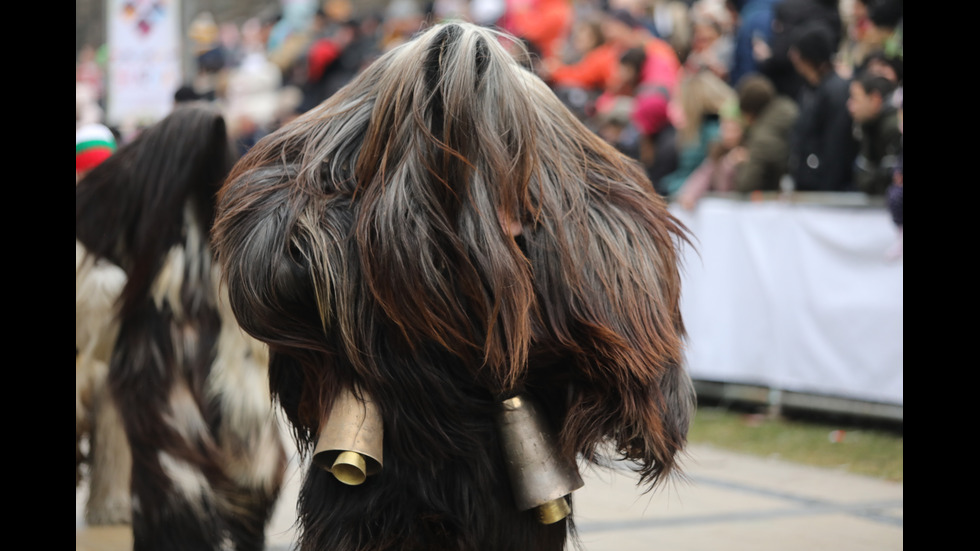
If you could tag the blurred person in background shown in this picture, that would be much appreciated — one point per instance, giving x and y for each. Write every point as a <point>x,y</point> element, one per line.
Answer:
<point>823,144</point>
<point>880,63</point>
<point>232,45</point>
<point>625,80</point>
<point>753,21</point>
<point>615,105</point>
<point>627,76</point>
<point>641,10</point>
<point>662,66</point>
<point>291,27</point>
<point>252,89</point>
<point>543,23</point>
<point>636,115</point>
<point>102,456</point>
<point>768,119</point>
<point>712,45</point>
<point>670,21</point>
<point>874,40</point>
<point>613,124</point>
<point>323,70</point>
<point>90,72</point>
<point>657,147</point>
<point>192,390</point>
<point>788,16</point>
<point>186,93</point>
<point>756,151</point>
<point>209,57</point>
<point>856,42</point>
<point>580,84</point>
<point>715,173</point>
<point>886,31</point>
<point>878,131</point>
<point>342,44</point>
<point>589,66</point>
<point>585,41</point>
<point>696,109</point>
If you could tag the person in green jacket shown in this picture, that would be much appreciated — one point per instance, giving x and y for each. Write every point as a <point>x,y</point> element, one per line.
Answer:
<point>768,119</point>
<point>755,156</point>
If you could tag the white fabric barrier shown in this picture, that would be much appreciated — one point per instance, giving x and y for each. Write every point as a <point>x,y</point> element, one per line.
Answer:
<point>795,297</point>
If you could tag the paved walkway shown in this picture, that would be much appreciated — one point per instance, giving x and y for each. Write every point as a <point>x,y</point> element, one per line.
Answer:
<point>730,502</point>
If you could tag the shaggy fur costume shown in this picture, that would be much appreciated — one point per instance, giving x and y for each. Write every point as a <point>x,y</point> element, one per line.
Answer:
<point>191,387</point>
<point>105,461</point>
<point>371,243</point>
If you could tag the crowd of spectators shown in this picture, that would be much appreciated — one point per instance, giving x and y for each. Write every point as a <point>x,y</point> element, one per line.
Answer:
<point>709,95</point>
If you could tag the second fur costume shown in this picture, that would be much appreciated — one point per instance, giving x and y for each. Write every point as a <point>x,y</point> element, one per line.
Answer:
<point>190,387</point>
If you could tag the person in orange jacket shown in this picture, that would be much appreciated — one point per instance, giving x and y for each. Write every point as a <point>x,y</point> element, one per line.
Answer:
<point>543,23</point>
<point>596,63</point>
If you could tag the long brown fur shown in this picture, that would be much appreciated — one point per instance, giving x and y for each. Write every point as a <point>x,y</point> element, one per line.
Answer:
<point>366,244</point>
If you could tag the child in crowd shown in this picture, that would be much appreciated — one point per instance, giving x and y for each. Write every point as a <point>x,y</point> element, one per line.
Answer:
<point>715,173</point>
<point>753,153</point>
<point>695,112</point>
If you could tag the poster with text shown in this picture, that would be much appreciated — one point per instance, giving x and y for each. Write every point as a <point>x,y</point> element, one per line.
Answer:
<point>144,62</point>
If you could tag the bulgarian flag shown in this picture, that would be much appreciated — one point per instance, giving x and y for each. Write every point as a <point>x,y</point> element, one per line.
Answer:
<point>94,143</point>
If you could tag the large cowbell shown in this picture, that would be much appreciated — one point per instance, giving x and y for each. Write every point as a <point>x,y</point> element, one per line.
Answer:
<point>351,438</point>
<point>540,478</point>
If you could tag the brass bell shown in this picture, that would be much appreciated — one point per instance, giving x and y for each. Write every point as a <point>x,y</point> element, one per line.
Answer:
<point>540,478</point>
<point>350,441</point>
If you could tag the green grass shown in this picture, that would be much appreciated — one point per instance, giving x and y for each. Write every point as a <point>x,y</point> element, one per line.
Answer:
<point>862,447</point>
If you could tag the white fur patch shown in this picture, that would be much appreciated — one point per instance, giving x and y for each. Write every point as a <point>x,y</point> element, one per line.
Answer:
<point>184,415</point>
<point>98,284</point>
<point>189,482</point>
